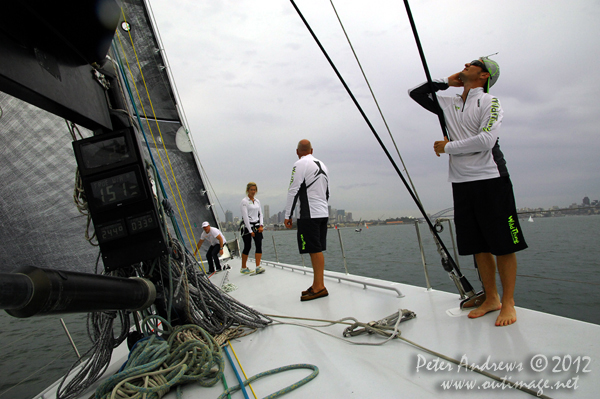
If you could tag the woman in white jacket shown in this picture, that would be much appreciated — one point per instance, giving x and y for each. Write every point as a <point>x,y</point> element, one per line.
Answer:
<point>251,228</point>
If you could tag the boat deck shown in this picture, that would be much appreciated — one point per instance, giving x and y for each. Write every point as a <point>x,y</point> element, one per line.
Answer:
<point>397,368</point>
<point>564,351</point>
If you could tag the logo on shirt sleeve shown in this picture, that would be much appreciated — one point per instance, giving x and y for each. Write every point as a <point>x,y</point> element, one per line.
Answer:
<point>493,115</point>
<point>292,179</point>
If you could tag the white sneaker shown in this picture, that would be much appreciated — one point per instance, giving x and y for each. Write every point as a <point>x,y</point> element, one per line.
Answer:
<point>259,270</point>
<point>246,270</point>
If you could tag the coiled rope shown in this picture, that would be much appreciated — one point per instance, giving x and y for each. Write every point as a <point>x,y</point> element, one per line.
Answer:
<point>155,366</point>
<point>189,354</point>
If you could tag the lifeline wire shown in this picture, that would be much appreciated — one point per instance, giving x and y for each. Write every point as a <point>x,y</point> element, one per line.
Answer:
<point>463,280</point>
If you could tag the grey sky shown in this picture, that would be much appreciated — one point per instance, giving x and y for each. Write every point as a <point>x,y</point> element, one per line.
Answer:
<point>253,83</point>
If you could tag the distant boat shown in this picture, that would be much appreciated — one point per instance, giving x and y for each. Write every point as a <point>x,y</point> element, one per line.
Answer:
<point>530,219</point>
<point>358,229</point>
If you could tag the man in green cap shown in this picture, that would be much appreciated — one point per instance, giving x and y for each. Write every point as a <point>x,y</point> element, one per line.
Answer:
<point>485,213</point>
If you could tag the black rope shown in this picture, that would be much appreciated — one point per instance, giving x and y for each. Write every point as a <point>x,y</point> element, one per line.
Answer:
<point>439,112</point>
<point>452,265</point>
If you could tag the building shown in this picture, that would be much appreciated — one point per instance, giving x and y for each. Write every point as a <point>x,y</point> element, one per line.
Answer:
<point>267,214</point>
<point>228,216</point>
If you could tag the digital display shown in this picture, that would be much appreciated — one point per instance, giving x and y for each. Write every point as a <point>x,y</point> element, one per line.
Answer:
<point>120,198</point>
<point>106,152</point>
<point>138,224</point>
<point>111,231</point>
<point>116,189</point>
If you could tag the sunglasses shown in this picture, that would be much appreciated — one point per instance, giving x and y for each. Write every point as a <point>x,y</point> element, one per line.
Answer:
<point>479,64</point>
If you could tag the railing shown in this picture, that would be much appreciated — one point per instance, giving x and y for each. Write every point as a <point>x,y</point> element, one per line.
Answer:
<point>358,280</point>
<point>438,226</point>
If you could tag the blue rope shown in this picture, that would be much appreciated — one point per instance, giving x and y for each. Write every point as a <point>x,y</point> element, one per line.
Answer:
<point>275,371</point>
<point>237,375</point>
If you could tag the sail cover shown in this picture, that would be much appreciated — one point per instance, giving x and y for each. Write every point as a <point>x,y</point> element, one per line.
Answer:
<point>40,223</point>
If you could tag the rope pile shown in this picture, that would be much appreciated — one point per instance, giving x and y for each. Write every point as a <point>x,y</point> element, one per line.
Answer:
<point>100,331</point>
<point>204,303</point>
<point>155,366</point>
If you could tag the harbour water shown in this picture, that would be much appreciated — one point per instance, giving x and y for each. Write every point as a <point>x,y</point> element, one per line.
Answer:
<point>557,274</point>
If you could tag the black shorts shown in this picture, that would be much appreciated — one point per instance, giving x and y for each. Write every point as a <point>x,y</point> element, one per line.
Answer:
<point>486,218</point>
<point>312,235</point>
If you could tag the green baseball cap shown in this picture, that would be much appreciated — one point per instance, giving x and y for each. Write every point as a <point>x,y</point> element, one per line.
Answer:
<point>493,69</point>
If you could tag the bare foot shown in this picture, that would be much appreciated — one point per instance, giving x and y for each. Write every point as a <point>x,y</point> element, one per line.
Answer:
<point>507,316</point>
<point>490,305</point>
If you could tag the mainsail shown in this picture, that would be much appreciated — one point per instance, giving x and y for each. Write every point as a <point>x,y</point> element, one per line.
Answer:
<point>136,176</point>
<point>138,51</point>
<point>41,225</point>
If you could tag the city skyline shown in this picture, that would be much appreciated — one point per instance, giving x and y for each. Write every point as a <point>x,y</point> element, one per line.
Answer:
<point>343,216</point>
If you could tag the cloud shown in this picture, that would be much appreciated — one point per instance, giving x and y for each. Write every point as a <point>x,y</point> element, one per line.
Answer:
<point>253,83</point>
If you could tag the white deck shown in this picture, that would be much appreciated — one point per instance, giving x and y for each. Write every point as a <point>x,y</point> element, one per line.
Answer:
<point>390,371</point>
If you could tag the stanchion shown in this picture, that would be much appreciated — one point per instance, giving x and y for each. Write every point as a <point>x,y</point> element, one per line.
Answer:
<point>275,248</point>
<point>343,252</point>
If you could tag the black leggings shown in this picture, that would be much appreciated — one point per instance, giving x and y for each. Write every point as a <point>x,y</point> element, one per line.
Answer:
<point>247,238</point>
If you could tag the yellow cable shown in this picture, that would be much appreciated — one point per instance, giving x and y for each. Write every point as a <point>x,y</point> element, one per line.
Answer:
<point>241,368</point>
<point>162,139</point>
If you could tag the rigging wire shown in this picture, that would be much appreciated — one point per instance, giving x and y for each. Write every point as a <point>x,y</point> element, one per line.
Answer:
<point>375,100</point>
<point>140,126</point>
<point>160,134</point>
<point>448,262</point>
